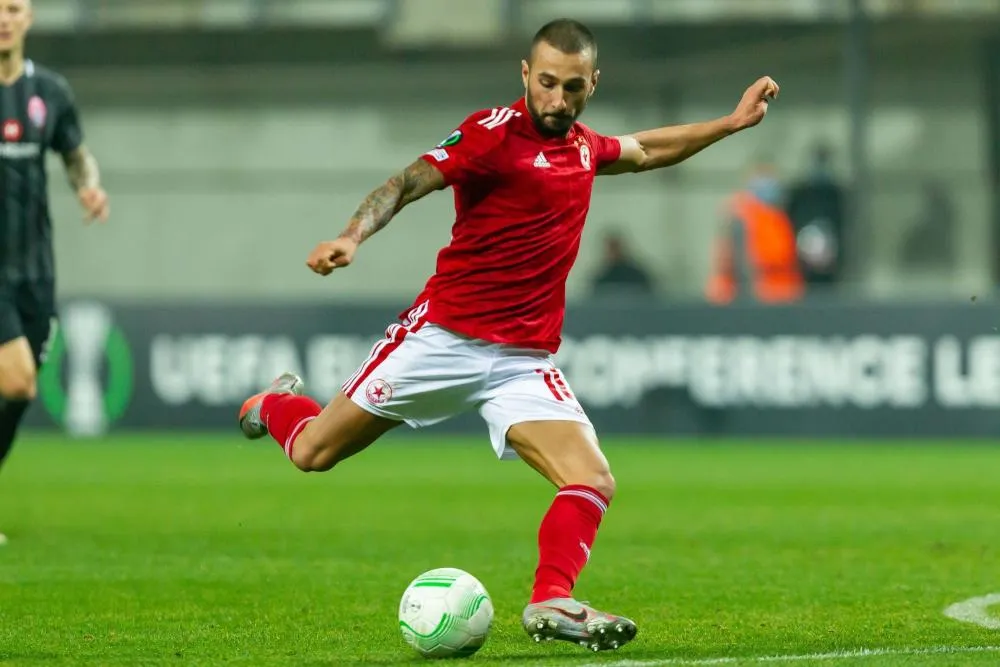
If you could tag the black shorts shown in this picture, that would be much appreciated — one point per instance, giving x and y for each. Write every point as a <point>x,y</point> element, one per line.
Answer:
<point>28,312</point>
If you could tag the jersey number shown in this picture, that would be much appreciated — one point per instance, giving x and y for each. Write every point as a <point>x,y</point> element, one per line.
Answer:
<point>498,117</point>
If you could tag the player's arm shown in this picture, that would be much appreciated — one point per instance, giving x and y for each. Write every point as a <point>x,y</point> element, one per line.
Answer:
<point>81,167</point>
<point>375,212</point>
<point>379,207</point>
<point>667,146</point>
<point>464,156</point>
<point>84,176</point>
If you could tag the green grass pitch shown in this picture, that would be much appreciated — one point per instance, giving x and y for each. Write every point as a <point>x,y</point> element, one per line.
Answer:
<point>140,550</point>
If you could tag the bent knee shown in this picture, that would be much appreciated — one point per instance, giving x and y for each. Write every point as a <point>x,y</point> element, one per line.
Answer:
<point>316,453</point>
<point>604,483</point>
<point>600,479</point>
<point>309,454</point>
<point>597,474</point>
<point>19,386</point>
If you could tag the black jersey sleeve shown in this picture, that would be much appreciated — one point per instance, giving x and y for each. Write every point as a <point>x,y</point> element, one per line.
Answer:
<point>68,134</point>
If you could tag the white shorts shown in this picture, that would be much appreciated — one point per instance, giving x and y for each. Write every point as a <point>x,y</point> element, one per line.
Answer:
<point>423,374</point>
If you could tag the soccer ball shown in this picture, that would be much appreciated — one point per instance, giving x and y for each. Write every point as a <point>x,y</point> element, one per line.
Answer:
<point>445,613</point>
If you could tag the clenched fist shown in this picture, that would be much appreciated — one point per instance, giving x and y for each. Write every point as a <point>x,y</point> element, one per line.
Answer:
<point>330,255</point>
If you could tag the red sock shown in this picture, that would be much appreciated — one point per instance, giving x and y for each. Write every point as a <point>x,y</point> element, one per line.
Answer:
<point>285,415</point>
<point>564,540</point>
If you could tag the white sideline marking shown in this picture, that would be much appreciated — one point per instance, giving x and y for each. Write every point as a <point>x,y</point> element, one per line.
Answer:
<point>832,656</point>
<point>974,611</point>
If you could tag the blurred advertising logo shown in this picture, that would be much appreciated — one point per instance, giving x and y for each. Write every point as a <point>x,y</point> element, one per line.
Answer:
<point>86,380</point>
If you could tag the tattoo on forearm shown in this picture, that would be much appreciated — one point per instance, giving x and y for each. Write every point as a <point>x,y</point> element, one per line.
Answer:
<point>82,170</point>
<point>379,207</point>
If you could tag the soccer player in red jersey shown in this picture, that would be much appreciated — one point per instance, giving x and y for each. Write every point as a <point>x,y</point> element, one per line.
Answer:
<point>483,332</point>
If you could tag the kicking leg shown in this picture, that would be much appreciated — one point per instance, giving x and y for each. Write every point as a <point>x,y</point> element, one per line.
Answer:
<point>315,439</point>
<point>567,454</point>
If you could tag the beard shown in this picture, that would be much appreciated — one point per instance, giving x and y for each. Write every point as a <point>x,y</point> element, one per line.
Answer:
<point>551,125</point>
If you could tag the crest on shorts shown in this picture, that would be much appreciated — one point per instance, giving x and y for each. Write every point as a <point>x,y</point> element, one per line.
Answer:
<point>378,392</point>
<point>37,111</point>
<point>585,156</point>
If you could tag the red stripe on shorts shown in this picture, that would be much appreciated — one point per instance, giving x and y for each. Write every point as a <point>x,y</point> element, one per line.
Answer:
<point>561,383</point>
<point>547,376</point>
<point>394,337</point>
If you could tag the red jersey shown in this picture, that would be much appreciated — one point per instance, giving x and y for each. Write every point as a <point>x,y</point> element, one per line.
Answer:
<point>521,200</point>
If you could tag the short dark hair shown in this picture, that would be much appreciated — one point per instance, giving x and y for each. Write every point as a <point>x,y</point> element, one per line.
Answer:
<point>568,36</point>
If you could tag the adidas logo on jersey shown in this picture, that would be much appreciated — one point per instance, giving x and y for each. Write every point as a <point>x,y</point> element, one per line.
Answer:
<point>541,162</point>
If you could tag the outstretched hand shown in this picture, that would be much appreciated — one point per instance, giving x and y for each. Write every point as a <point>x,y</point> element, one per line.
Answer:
<point>753,106</point>
<point>330,255</point>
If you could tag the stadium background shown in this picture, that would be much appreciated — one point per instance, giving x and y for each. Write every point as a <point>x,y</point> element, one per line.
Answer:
<point>807,480</point>
<point>234,134</point>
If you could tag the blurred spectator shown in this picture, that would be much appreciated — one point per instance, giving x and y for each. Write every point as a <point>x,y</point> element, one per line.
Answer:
<point>620,272</point>
<point>816,208</point>
<point>930,241</point>
<point>756,252</point>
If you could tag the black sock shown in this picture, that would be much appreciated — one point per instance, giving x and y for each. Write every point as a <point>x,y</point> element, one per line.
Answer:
<point>11,413</point>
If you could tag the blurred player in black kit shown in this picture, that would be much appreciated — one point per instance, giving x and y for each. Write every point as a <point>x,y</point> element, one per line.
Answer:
<point>37,114</point>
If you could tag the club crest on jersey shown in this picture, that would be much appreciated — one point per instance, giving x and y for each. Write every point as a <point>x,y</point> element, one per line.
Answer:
<point>12,130</point>
<point>585,156</point>
<point>37,111</point>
